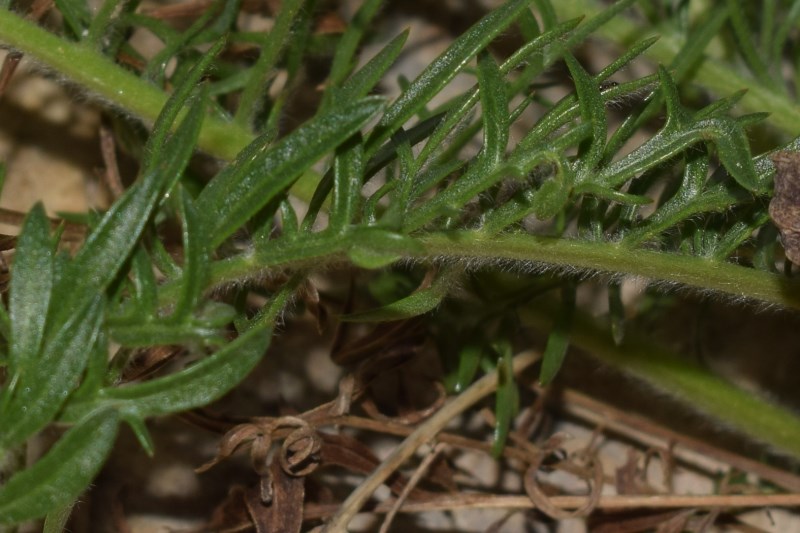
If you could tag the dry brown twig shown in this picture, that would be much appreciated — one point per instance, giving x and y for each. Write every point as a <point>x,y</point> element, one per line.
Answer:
<point>412,482</point>
<point>423,434</point>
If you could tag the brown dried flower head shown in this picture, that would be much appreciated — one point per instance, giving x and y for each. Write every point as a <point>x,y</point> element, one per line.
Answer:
<point>784,208</point>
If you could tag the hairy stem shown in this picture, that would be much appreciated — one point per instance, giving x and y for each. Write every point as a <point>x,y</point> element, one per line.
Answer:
<point>530,253</point>
<point>112,84</point>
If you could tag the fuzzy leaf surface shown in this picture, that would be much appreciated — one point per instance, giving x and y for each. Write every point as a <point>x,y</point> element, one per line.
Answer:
<point>62,474</point>
<point>261,172</point>
<point>194,386</point>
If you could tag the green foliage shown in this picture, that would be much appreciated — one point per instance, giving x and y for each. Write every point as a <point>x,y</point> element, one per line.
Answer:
<point>61,475</point>
<point>673,200</point>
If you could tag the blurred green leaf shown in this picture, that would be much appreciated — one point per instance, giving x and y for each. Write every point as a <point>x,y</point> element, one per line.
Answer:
<point>257,84</point>
<point>344,56</point>
<point>418,303</point>
<point>76,15</point>
<point>506,400</point>
<point>361,82</point>
<point>62,474</point>
<point>593,112</point>
<point>558,340</point>
<point>469,360</point>
<point>444,68</point>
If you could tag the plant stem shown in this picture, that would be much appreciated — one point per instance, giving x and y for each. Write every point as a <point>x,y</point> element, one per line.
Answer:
<point>111,83</point>
<point>710,73</point>
<point>734,408</point>
<point>528,253</point>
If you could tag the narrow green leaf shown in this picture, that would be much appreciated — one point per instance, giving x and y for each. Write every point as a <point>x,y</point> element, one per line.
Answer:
<point>528,25</point>
<point>418,303</point>
<point>289,221</point>
<point>548,14</point>
<point>469,360</point>
<point>745,43</point>
<point>195,260</point>
<point>494,101</point>
<point>212,25</point>
<point>180,146</point>
<point>56,521</point>
<point>29,291</point>
<point>139,428</point>
<point>102,23</point>
<point>593,112</point>
<point>348,175</point>
<point>46,386</point>
<point>364,79</point>
<point>558,341</point>
<point>461,108</point>
<point>591,25</point>
<point>195,386</point>
<point>780,36</point>
<point>62,474</point>
<point>613,195</point>
<point>616,312</point>
<point>254,91</point>
<point>726,134</point>
<point>96,367</point>
<point>635,50</point>
<point>163,261</point>
<point>444,68</point>
<point>347,46</point>
<point>740,232</point>
<point>76,15</point>
<point>506,401</point>
<point>260,173</point>
<point>160,333</point>
<point>144,283</point>
<point>97,263</point>
<point>174,106</point>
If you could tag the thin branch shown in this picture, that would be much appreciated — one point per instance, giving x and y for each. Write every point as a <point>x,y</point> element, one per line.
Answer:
<point>412,482</point>
<point>606,503</point>
<point>424,433</point>
<point>651,434</point>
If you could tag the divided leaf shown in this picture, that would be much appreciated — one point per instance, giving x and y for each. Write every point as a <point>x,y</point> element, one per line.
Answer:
<point>261,172</point>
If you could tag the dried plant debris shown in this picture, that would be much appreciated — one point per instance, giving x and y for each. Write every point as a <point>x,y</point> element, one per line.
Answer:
<point>785,205</point>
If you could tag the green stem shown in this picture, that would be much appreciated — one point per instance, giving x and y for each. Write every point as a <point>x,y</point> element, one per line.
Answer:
<point>693,272</point>
<point>710,73</point>
<point>113,84</point>
<point>763,421</point>
<point>526,253</point>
